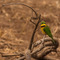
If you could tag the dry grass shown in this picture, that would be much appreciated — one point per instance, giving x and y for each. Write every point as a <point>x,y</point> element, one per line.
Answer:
<point>14,21</point>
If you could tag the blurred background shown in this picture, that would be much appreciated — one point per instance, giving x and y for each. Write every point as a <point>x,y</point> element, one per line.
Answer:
<point>17,28</point>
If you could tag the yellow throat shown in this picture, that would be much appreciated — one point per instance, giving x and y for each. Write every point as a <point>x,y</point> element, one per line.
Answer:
<point>42,27</point>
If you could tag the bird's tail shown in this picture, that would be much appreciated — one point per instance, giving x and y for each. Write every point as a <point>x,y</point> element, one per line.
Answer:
<point>53,41</point>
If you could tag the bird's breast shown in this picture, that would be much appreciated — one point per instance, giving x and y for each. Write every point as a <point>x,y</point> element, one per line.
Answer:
<point>42,29</point>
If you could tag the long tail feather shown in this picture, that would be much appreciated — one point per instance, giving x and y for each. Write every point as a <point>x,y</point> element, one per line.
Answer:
<point>53,41</point>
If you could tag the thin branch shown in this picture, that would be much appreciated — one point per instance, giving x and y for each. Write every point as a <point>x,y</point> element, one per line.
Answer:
<point>32,38</point>
<point>23,5</point>
<point>32,21</point>
<point>7,55</point>
<point>51,58</point>
<point>33,18</point>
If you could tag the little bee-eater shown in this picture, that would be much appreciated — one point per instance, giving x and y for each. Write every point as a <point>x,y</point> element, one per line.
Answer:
<point>46,30</point>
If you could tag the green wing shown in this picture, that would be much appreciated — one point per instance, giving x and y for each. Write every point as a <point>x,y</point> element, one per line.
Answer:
<point>48,32</point>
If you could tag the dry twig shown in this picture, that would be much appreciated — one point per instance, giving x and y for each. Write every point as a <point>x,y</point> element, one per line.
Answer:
<point>48,48</point>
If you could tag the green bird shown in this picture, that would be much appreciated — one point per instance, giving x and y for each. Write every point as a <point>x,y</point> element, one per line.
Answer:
<point>46,30</point>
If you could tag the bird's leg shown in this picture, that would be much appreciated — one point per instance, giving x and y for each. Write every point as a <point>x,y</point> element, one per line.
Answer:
<point>43,39</point>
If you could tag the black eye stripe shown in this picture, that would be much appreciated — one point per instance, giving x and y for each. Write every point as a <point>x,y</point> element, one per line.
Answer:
<point>43,26</point>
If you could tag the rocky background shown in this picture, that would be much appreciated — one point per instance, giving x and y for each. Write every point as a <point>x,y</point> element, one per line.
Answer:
<point>17,29</point>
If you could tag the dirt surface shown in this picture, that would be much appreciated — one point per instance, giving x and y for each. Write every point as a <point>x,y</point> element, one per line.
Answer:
<point>17,29</point>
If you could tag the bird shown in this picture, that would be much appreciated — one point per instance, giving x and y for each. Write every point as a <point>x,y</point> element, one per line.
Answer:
<point>46,30</point>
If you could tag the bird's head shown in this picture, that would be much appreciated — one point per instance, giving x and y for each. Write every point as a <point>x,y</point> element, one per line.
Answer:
<point>42,22</point>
